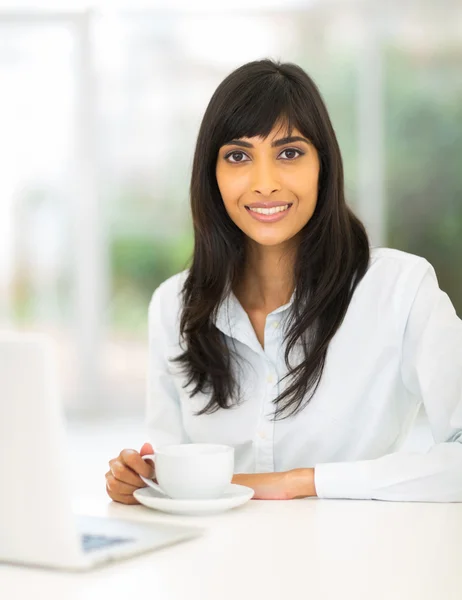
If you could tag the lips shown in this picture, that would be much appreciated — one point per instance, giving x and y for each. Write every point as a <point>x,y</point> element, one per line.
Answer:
<point>267,204</point>
<point>271,218</point>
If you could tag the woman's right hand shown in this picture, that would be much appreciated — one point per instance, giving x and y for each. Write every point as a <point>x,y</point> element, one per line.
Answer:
<point>123,477</point>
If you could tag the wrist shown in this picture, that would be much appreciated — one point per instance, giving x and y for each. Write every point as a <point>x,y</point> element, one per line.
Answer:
<point>301,483</point>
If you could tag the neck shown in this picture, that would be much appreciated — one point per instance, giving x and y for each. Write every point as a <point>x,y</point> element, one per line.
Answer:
<point>267,281</point>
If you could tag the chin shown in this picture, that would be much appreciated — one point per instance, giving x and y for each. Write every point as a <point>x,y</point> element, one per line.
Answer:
<point>270,240</point>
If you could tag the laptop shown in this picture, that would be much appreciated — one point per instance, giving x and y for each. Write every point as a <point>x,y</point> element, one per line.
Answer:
<point>37,524</point>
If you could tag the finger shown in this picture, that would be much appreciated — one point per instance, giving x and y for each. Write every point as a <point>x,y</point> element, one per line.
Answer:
<point>150,462</point>
<point>117,486</point>
<point>146,448</point>
<point>123,499</point>
<point>125,474</point>
<point>133,460</point>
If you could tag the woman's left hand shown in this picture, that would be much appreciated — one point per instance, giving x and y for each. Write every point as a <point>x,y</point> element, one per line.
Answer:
<point>297,483</point>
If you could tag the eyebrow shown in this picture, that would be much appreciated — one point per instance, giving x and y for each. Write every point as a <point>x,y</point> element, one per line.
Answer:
<point>275,144</point>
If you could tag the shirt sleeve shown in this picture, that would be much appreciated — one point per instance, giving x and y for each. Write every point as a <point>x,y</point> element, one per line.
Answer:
<point>432,370</point>
<point>164,422</point>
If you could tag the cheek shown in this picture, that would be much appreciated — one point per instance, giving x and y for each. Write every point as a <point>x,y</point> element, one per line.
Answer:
<point>305,188</point>
<point>231,189</point>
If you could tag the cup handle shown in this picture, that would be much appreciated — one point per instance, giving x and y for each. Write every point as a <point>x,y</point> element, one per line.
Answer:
<point>149,482</point>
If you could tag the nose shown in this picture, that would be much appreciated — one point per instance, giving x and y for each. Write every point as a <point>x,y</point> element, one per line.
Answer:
<point>265,180</point>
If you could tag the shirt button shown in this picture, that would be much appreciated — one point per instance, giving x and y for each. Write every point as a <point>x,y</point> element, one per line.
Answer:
<point>275,324</point>
<point>262,435</point>
<point>270,379</point>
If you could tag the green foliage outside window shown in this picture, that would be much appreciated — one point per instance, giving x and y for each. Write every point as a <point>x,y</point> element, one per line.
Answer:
<point>424,162</point>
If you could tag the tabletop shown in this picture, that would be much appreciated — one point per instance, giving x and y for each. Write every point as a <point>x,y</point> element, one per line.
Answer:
<point>307,548</point>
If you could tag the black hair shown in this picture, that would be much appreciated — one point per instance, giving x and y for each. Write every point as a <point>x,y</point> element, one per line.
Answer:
<point>332,255</point>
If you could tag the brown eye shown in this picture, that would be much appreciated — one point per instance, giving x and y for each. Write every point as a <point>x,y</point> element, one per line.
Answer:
<point>291,153</point>
<point>236,156</point>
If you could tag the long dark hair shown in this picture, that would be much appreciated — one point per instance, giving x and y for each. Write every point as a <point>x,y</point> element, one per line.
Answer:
<point>331,257</point>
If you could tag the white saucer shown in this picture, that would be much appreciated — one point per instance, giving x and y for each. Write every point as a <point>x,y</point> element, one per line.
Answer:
<point>233,496</point>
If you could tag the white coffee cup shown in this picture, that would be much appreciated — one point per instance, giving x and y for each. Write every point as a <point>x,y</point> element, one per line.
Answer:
<point>192,471</point>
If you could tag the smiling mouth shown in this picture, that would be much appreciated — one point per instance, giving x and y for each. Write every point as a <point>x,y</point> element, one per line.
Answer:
<point>270,211</point>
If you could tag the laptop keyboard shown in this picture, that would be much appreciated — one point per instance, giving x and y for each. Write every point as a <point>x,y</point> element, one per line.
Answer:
<point>95,542</point>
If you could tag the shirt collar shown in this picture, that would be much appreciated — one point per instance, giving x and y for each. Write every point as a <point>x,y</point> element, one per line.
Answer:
<point>233,321</point>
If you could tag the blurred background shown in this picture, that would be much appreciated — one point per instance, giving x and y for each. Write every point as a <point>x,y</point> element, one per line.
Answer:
<point>100,105</point>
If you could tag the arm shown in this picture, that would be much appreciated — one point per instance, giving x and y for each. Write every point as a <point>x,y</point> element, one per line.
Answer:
<point>288,485</point>
<point>432,370</point>
<point>163,413</point>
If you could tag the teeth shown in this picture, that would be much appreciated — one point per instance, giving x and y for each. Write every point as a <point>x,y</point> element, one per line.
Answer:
<point>269,211</point>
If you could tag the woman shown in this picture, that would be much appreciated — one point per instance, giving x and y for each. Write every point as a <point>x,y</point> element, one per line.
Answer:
<point>289,338</point>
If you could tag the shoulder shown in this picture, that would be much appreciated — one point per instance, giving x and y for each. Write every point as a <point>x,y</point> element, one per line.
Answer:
<point>170,289</point>
<point>165,304</point>
<point>396,269</point>
<point>386,257</point>
<point>385,295</point>
<point>390,286</point>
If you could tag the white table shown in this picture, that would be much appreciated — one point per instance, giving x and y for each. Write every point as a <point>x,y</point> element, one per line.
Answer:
<point>312,548</point>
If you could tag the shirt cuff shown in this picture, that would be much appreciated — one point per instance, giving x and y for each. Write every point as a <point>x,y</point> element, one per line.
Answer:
<point>344,480</point>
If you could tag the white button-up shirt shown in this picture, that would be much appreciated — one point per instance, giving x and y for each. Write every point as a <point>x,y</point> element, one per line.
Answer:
<point>400,345</point>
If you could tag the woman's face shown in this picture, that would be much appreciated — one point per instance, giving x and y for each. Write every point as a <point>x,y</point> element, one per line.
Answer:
<point>269,186</point>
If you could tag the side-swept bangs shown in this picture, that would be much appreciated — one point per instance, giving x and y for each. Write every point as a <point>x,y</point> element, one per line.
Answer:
<point>267,100</point>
